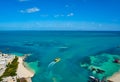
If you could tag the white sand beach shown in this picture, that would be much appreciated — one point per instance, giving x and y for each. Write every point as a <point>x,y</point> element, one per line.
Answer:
<point>22,71</point>
<point>115,77</point>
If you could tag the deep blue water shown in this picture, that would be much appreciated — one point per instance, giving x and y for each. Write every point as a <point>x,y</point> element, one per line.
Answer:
<point>70,46</point>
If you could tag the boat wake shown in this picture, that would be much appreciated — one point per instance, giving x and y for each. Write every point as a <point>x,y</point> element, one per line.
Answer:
<point>50,66</point>
<point>49,75</point>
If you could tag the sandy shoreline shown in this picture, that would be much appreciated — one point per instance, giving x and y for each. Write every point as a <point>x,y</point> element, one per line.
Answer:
<point>22,71</point>
<point>115,77</point>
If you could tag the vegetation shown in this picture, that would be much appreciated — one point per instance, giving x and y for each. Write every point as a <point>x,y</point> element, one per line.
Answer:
<point>0,78</point>
<point>21,80</point>
<point>11,69</point>
<point>18,80</point>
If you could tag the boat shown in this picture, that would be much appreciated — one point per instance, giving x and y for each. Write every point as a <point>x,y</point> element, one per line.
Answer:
<point>93,79</point>
<point>57,60</point>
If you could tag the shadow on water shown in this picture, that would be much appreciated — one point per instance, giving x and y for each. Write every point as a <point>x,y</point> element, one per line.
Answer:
<point>9,49</point>
<point>23,50</point>
<point>112,50</point>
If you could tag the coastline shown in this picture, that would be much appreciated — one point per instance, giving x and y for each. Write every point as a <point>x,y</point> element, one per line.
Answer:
<point>23,71</point>
<point>26,65</point>
<point>115,77</point>
<point>13,69</point>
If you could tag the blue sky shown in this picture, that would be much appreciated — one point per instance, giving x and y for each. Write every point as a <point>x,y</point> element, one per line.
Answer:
<point>60,15</point>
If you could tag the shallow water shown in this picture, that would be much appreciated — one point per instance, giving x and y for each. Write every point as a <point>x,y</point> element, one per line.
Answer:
<point>71,47</point>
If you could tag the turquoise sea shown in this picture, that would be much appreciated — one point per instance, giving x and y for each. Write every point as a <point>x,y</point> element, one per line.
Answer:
<point>74,48</point>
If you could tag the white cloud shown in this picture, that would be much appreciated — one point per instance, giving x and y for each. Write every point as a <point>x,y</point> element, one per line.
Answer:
<point>23,0</point>
<point>70,14</point>
<point>30,10</point>
<point>60,25</point>
<point>59,15</point>
<point>63,15</point>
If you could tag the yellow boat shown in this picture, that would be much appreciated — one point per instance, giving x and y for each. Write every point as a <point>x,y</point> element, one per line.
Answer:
<point>57,59</point>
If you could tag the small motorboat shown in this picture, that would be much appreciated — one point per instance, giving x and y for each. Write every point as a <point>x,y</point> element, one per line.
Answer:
<point>93,79</point>
<point>116,61</point>
<point>57,60</point>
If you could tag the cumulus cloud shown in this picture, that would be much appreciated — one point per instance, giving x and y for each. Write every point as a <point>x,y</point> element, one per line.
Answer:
<point>30,10</point>
<point>70,14</point>
<point>58,15</point>
<point>63,15</point>
<point>60,25</point>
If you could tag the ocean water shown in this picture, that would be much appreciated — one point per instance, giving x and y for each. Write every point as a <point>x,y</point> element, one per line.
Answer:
<point>72,47</point>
